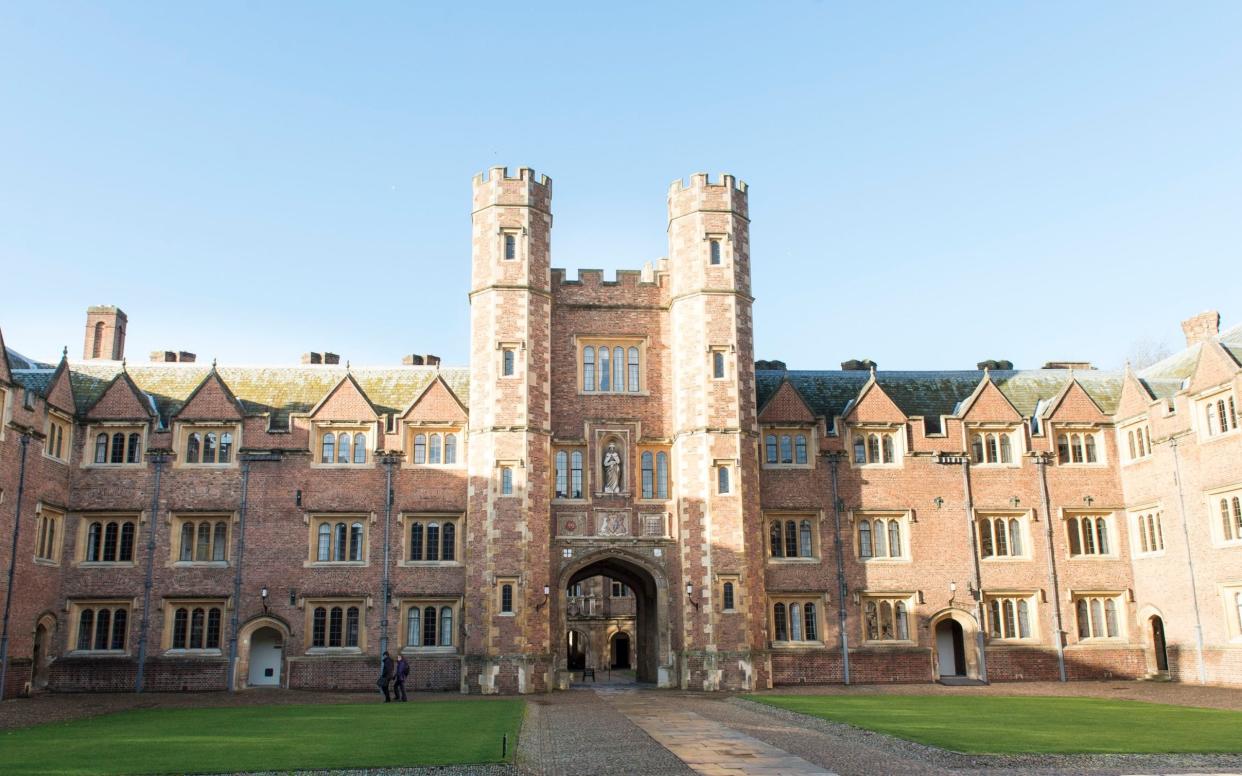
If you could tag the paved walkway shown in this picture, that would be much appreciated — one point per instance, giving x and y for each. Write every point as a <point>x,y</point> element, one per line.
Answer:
<point>709,747</point>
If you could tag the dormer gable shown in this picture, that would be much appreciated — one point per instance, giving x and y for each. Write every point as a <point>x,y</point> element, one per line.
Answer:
<point>1215,367</point>
<point>121,400</point>
<point>1074,405</point>
<point>873,405</point>
<point>988,405</point>
<point>1135,398</point>
<point>786,405</point>
<point>345,402</point>
<point>6,374</point>
<point>436,403</point>
<point>60,390</point>
<point>211,400</point>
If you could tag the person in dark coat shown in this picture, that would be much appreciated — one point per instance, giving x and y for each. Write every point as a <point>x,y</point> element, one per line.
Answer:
<point>385,677</point>
<point>398,686</point>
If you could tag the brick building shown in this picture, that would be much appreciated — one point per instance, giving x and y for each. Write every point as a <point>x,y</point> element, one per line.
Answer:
<point>614,480</point>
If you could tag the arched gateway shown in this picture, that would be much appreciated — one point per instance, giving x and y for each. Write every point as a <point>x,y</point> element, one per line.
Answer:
<point>652,652</point>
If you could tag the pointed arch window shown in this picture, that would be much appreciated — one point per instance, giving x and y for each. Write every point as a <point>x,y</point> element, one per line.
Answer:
<point>210,446</point>
<point>339,539</point>
<point>875,447</point>
<point>998,448</point>
<point>792,537</point>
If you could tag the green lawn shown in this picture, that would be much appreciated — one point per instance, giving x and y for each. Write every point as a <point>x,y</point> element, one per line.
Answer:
<point>992,724</point>
<point>225,740</point>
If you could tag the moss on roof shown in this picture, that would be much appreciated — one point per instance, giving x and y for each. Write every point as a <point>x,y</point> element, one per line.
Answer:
<point>278,390</point>
<point>932,394</point>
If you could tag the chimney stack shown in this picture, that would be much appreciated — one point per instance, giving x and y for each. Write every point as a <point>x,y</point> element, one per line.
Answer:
<point>855,365</point>
<point>321,357</point>
<point>173,357</point>
<point>105,333</point>
<point>415,359</point>
<point>1201,327</point>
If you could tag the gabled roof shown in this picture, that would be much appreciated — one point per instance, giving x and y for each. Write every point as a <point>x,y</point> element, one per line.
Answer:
<point>786,404</point>
<point>873,394</point>
<point>278,391</point>
<point>60,389</point>
<point>122,400</point>
<point>346,383</point>
<point>428,389</point>
<point>211,380</point>
<point>937,393</point>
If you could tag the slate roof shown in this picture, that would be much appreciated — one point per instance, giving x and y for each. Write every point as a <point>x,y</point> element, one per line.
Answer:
<point>932,394</point>
<point>18,361</point>
<point>279,390</point>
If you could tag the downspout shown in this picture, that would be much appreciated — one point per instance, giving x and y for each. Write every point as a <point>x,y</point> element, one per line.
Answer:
<point>833,460</point>
<point>158,459</point>
<point>1190,562</point>
<point>24,442</point>
<point>238,559</point>
<point>1041,463</point>
<point>389,461</point>
<point>974,556</point>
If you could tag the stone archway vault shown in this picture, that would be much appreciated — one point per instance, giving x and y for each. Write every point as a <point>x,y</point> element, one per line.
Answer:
<point>652,640</point>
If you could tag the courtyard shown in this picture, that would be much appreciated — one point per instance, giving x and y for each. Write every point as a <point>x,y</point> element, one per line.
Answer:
<point>1097,728</point>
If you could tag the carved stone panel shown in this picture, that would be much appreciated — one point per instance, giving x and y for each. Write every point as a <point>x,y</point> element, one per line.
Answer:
<point>571,524</point>
<point>654,524</point>
<point>612,523</point>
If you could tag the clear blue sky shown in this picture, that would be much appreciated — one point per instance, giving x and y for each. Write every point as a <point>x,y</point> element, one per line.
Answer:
<point>932,184</point>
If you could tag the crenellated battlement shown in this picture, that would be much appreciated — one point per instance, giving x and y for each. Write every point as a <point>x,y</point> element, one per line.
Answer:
<point>644,286</point>
<point>495,186</point>
<point>728,194</point>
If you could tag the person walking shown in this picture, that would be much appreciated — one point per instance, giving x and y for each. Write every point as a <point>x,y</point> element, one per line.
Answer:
<point>385,677</point>
<point>398,686</point>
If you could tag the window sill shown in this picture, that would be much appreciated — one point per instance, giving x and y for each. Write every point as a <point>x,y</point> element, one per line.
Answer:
<point>424,564</point>
<point>206,466</point>
<point>1202,437</point>
<point>449,650</point>
<point>796,466</point>
<point>567,501</point>
<point>1096,557</point>
<point>193,653</point>
<point>1157,554</point>
<point>435,466</point>
<point>797,644</point>
<point>336,564</point>
<point>890,644</point>
<point>113,653</point>
<point>1099,642</point>
<point>884,561</point>
<point>635,394</point>
<point>106,564</point>
<point>1006,559</point>
<point>1014,465</point>
<point>62,461</point>
<point>344,466</point>
<point>876,466</point>
<point>46,562</point>
<point>506,614</point>
<point>333,651</point>
<point>134,465</point>
<point>200,564</point>
<point>1013,643</point>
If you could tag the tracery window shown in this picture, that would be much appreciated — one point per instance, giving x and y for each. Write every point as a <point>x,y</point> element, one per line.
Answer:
<point>880,537</point>
<point>208,446</point>
<point>201,539</point>
<point>100,627</point>
<point>339,539</point>
<point>433,538</point>
<point>874,447</point>
<point>992,448</point>
<point>336,625</point>
<point>1078,447</point>
<point>886,619</point>
<point>120,446</point>
<point>110,540</point>
<point>795,620</point>
<point>1001,536</point>
<point>195,625</point>
<point>1088,535</point>
<point>1009,617</point>
<point>1097,616</point>
<point>785,448</point>
<point>792,536</point>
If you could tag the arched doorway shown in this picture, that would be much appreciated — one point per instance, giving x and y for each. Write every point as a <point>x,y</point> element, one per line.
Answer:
<point>575,651</point>
<point>649,645</point>
<point>955,645</point>
<point>40,655</point>
<point>620,649</point>
<point>261,653</point>
<point>1158,643</point>
<point>950,648</point>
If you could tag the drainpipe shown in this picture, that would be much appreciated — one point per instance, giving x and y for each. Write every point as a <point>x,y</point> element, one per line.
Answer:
<point>1041,463</point>
<point>1190,562</point>
<point>157,458</point>
<point>833,460</point>
<point>24,442</point>
<point>389,460</point>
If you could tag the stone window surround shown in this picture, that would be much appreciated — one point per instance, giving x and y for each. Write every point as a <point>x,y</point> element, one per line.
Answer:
<point>413,429</point>
<point>896,431</point>
<point>1017,444</point>
<point>1033,599</point>
<point>403,606</point>
<point>1215,520</point>
<point>85,519</point>
<point>793,431</point>
<point>641,341</point>
<point>1142,429</point>
<point>322,428</point>
<point>175,521</point>
<point>172,604</point>
<point>1140,513</point>
<point>75,607</point>
<point>64,423</point>
<point>314,520</point>
<point>111,427</point>
<point>819,600</point>
<point>182,431</point>
<point>407,518</point>
<point>797,516</point>
<point>328,602</point>
<point>57,517</point>
<point>905,518</point>
<point>1024,516</point>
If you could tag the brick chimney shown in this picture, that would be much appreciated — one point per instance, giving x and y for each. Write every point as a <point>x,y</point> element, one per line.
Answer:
<point>105,333</point>
<point>172,357</point>
<point>857,365</point>
<point>321,358</point>
<point>1201,327</point>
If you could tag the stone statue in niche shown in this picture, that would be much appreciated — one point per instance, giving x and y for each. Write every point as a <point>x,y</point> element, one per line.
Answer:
<point>612,469</point>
